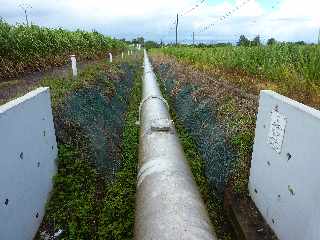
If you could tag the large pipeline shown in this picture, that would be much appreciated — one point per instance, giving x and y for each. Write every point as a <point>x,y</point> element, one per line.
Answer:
<point>168,202</point>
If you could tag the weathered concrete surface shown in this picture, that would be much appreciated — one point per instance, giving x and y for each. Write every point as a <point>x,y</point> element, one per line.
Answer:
<point>284,175</point>
<point>27,163</point>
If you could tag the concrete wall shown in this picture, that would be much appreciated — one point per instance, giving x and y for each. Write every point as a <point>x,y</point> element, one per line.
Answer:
<point>28,151</point>
<point>285,169</point>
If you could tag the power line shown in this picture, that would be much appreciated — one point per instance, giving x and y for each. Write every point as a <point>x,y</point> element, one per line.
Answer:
<point>226,15</point>
<point>188,11</point>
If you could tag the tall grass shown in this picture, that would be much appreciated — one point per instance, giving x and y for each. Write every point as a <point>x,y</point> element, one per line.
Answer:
<point>24,48</point>
<point>277,63</point>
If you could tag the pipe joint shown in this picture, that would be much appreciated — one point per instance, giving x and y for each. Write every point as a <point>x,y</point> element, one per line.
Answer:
<point>147,99</point>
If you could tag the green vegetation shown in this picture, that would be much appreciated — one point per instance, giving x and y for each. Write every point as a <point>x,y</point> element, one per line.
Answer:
<point>27,48</point>
<point>278,62</point>
<point>83,203</point>
<point>60,87</point>
<point>117,218</point>
<point>241,133</point>
<point>214,204</point>
<point>74,204</point>
<point>290,69</point>
<point>212,201</point>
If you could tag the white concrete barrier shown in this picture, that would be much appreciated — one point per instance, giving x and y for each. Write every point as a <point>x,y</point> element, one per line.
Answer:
<point>110,57</point>
<point>284,175</point>
<point>28,151</point>
<point>74,66</point>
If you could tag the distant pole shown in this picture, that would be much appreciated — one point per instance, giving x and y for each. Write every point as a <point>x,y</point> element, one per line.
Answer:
<point>25,8</point>
<point>319,37</point>
<point>177,23</point>
<point>193,38</point>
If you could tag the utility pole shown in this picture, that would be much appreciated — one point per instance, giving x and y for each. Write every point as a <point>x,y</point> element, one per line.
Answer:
<point>177,23</point>
<point>25,8</point>
<point>193,38</point>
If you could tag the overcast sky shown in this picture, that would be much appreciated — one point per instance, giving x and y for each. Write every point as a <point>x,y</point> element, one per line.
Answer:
<point>286,20</point>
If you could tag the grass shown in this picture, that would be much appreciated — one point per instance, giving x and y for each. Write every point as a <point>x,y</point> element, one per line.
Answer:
<point>214,204</point>
<point>73,204</point>
<point>241,132</point>
<point>60,87</point>
<point>117,218</point>
<point>83,203</point>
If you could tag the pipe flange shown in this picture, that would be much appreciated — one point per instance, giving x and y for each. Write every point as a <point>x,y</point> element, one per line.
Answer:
<point>147,99</point>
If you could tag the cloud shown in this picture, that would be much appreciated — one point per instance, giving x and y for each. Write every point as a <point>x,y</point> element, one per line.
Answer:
<point>290,20</point>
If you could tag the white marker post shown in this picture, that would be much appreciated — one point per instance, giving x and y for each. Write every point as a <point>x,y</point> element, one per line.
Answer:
<point>128,53</point>
<point>110,57</point>
<point>122,55</point>
<point>74,65</point>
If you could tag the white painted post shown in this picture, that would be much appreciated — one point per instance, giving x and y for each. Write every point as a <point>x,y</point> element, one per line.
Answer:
<point>128,53</point>
<point>110,57</point>
<point>74,65</point>
<point>122,55</point>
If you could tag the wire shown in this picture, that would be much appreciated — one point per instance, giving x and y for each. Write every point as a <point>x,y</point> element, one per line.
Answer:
<point>226,15</point>
<point>184,13</point>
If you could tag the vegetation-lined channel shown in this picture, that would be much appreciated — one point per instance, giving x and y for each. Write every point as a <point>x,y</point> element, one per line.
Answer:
<point>195,156</point>
<point>93,195</point>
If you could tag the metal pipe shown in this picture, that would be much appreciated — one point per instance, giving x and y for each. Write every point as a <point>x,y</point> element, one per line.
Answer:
<point>168,202</point>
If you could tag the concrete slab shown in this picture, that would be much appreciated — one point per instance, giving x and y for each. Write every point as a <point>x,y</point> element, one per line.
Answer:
<point>284,176</point>
<point>28,151</point>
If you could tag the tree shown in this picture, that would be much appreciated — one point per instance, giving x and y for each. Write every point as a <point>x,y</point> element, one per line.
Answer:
<point>256,41</point>
<point>271,41</point>
<point>300,43</point>
<point>243,41</point>
<point>139,40</point>
<point>151,44</point>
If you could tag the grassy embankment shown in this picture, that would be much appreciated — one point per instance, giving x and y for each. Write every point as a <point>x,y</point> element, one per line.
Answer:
<point>197,165</point>
<point>83,203</point>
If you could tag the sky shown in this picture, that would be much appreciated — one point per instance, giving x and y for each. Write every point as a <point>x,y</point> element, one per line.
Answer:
<point>285,20</point>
